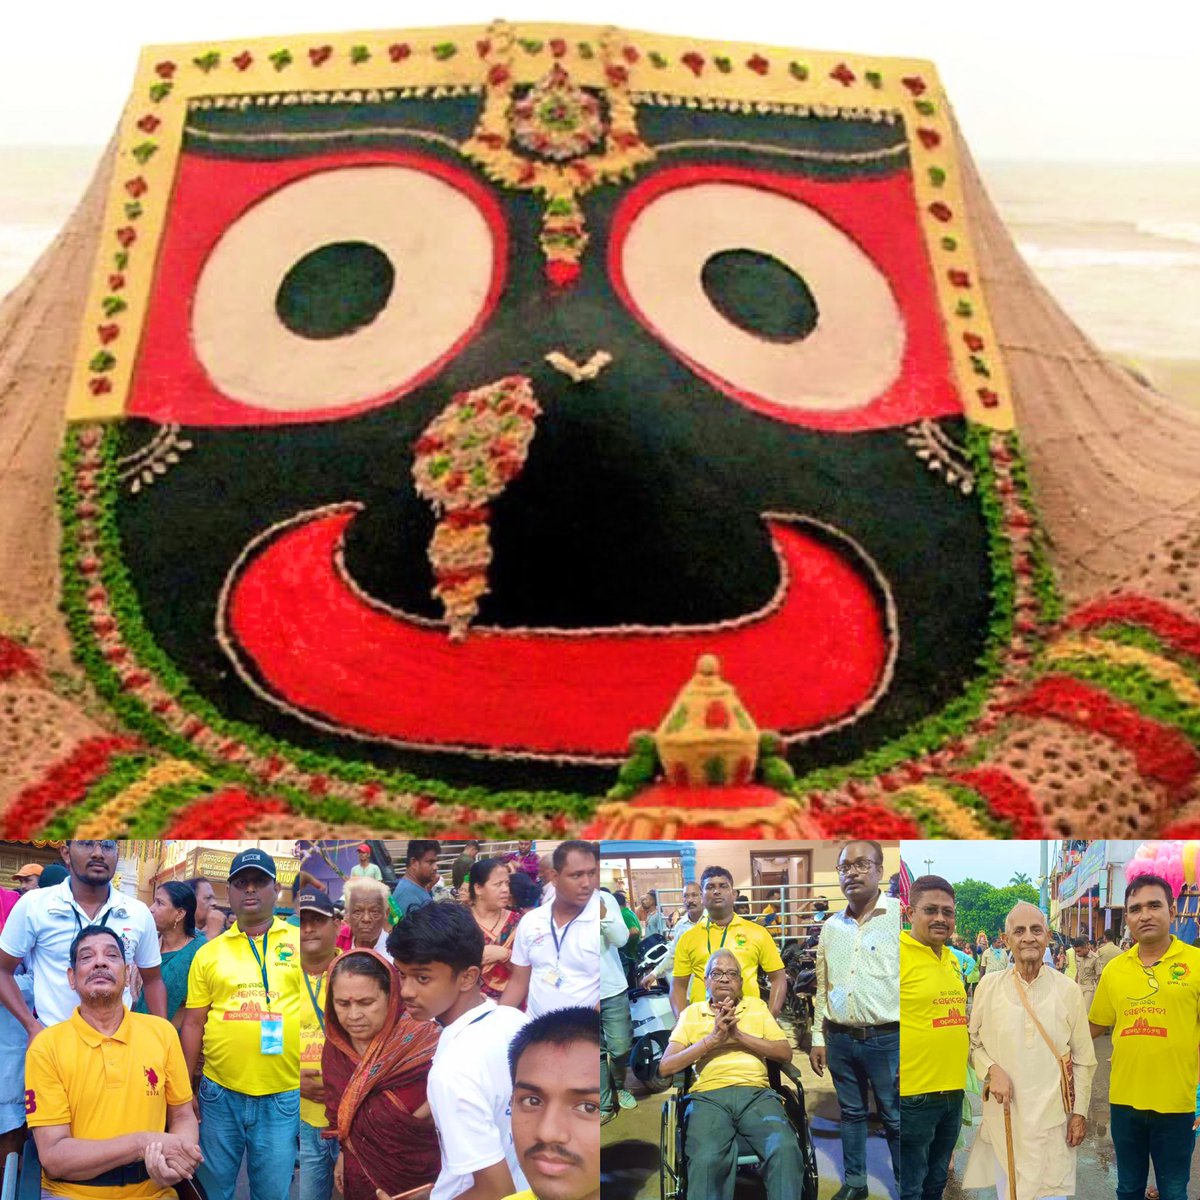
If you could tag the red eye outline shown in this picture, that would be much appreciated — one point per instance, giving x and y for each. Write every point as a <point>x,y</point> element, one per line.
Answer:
<point>879,214</point>
<point>169,382</point>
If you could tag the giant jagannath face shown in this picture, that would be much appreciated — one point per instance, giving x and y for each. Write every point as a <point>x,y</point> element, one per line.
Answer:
<point>463,419</point>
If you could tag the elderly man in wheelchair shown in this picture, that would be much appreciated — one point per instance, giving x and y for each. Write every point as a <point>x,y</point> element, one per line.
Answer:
<point>729,1040</point>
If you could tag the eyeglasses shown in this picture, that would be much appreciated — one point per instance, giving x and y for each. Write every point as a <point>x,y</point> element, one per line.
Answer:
<point>730,975</point>
<point>1152,979</point>
<point>107,847</point>
<point>860,866</point>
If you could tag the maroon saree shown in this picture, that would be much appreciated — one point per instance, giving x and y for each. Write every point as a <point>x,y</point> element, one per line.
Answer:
<point>370,1099</point>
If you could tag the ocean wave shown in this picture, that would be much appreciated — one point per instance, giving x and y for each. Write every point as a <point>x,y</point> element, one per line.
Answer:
<point>1073,257</point>
<point>1175,231</point>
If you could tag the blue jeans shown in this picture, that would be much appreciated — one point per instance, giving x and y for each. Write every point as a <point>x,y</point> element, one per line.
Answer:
<point>264,1129</point>
<point>929,1125</point>
<point>616,1040</point>
<point>856,1065</point>
<point>317,1156</point>
<point>1139,1136</point>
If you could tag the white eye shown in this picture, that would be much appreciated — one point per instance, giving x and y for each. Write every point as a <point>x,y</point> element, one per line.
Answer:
<point>342,287</point>
<point>763,295</point>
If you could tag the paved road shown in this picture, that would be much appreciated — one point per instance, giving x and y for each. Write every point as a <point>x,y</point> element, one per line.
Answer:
<point>629,1145</point>
<point>1096,1169</point>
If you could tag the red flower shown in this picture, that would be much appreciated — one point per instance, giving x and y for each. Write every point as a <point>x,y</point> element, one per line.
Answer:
<point>399,51</point>
<point>843,75</point>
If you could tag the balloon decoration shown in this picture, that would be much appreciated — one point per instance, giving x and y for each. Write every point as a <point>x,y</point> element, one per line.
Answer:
<point>1175,861</point>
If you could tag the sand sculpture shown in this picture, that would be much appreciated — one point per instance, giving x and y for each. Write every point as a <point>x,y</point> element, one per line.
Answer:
<point>402,416</point>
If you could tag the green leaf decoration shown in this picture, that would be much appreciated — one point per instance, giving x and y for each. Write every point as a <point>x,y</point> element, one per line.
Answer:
<point>144,151</point>
<point>206,62</point>
<point>102,361</point>
<point>444,50</point>
<point>113,305</point>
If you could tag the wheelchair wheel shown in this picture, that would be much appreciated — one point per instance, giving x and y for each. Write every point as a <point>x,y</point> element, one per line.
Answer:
<point>669,1183</point>
<point>647,1054</point>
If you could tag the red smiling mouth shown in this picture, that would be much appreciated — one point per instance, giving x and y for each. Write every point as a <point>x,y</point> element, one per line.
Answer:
<point>305,638</point>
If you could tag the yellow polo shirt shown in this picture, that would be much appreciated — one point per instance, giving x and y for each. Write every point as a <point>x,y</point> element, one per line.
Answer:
<point>312,1037</point>
<point>103,1086</point>
<point>751,944</point>
<point>527,1194</point>
<point>1155,1015</point>
<point>226,977</point>
<point>933,1020</point>
<point>728,1067</point>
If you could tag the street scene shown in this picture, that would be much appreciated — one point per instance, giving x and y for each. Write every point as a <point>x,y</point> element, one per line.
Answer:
<point>1079,898</point>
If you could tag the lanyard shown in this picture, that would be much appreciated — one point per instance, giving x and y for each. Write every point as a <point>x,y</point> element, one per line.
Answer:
<point>315,997</point>
<point>558,944</point>
<point>79,922</point>
<point>708,936</point>
<point>262,963</point>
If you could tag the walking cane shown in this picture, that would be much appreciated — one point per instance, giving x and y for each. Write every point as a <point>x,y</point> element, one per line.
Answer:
<point>1012,1170</point>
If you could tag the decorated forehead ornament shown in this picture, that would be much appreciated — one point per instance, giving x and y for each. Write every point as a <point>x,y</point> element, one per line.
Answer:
<point>557,138</point>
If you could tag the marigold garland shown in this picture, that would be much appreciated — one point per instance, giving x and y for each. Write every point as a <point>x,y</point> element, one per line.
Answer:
<point>1177,630</point>
<point>1006,798</point>
<point>65,783</point>
<point>1162,754</point>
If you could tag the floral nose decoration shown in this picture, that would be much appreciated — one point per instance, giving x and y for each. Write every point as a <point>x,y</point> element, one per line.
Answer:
<point>467,455</point>
<point>557,138</point>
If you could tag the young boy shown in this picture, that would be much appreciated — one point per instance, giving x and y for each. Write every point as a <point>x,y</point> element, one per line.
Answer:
<point>438,953</point>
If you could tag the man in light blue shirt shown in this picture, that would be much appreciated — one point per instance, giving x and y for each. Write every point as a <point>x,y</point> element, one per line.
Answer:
<point>420,874</point>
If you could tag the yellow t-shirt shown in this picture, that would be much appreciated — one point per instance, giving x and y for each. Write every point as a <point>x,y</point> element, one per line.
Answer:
<point>1155,1015</point>
<point>312,1038</point>
<point>933,1020</point>
<point>527,1194</point>
<point>226,976</point>
<point>751,944</point>
<point>728,1066</point>
<point>104,1086</point>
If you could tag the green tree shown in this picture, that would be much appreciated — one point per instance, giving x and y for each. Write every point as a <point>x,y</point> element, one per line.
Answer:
<point>1019,877</point>
<point>984,906</point>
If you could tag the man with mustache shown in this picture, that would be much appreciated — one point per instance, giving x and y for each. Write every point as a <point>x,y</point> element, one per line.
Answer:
<point>243,996</point>
<point>729,1038</point>
<point>1150,996</point>
<point>107,1090</point>
<point>555,1066</point>
<point>1024,1074</point>
<point>724,929</point>
<point>933,1041</point>
<point>44,923</point>
<point>856,1023</point>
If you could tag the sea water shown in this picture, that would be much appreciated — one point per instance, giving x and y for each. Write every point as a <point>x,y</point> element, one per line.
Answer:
<point>1117,245</point>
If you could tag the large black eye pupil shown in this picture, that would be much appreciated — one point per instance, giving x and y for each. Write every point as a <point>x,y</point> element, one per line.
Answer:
<point>758,293</point>
<point>334,290</point>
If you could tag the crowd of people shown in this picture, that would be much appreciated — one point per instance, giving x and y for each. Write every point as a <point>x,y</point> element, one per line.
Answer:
<point>412,1049</point>
<point>1025,1043</point>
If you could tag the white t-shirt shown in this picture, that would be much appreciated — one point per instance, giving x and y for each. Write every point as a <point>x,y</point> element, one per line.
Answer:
<point>470,1092</point>
<point>42,926</point>
<point>564,974</point>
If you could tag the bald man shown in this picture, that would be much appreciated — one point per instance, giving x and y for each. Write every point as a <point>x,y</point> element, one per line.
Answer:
<point>1022,1069</point>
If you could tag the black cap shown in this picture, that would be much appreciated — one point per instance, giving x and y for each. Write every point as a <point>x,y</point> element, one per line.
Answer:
<point>315,901</point>
<point>253,857</point>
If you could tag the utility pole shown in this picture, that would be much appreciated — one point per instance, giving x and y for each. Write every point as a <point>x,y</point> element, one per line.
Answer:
<point>928,865</point>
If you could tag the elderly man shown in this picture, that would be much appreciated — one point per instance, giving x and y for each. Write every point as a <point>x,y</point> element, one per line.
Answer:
<point>103,1085</point>
<point>856,1026</point>
<point>729,1038</point>
<point>1150,995</point>
<point>933,1041</point>
<point>1023,1022</point>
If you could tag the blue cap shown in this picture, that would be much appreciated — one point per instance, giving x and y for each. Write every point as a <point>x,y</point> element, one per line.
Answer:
<point>254,857</point>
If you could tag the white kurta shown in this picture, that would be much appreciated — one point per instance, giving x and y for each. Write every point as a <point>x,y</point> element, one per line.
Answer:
<point>1002,1033</point>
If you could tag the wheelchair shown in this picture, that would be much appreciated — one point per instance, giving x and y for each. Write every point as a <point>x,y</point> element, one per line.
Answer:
<point>672,1169</point>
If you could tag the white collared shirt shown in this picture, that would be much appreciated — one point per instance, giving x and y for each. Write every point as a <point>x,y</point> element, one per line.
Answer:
<point>568,975</point>
<point>858,968</point>
<point>42,926</point>
<point>614,934</point>
<point>470,1092</point>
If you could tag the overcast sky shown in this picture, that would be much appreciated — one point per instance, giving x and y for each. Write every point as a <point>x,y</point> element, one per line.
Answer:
<point>989,862</point>
<point>1030,79</point>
